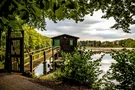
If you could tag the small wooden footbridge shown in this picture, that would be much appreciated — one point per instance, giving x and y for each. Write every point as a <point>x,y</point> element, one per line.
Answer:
<point>20,60</point>
<point>17,59</point>
<point>34,58</point>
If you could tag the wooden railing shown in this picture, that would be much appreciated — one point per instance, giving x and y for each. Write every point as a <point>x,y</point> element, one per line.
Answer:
<point>38,54</point>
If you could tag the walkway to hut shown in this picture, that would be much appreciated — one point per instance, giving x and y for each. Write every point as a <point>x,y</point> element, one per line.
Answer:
<point>39,60</point>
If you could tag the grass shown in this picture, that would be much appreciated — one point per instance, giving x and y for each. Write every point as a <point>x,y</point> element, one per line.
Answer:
<point>50,76</point>
<point>2,53</point>
<point>1,65</point>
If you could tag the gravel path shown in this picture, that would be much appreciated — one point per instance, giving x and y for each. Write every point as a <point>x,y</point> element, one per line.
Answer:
<point>18,82</point>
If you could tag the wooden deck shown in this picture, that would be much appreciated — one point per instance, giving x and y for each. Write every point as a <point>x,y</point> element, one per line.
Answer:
<point>38,61</point>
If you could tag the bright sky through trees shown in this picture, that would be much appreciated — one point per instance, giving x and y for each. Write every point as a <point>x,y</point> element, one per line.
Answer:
<point>92,28</point>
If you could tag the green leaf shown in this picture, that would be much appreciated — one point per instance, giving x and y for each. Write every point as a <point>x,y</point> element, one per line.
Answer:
<point>4,20</point>
<point>24,14</point>
<point>19,6</point>
<point>59,13</point>
<point>36,10</point>
<point>46,4</point>
<point>12,17</point>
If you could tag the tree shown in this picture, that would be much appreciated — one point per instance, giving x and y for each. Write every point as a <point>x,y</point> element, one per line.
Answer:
<point>33,40</point>
<point>34,12</point>
<point>121,10</point>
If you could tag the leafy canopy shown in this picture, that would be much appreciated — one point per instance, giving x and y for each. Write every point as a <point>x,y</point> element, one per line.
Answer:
<point>34,12</point>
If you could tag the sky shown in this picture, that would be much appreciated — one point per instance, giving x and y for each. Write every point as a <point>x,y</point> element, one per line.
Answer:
<point>92,28</point>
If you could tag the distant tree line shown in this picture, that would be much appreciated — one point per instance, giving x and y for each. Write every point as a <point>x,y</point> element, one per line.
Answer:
<point>32,39</point>
<point>117,43</point>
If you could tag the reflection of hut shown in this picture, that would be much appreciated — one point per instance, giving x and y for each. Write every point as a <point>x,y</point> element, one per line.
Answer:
<point>66,42</point>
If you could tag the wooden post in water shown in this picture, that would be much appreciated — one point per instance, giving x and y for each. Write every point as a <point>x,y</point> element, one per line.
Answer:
<point>53,57</point>
<point>44,63</point>
<point>31,65</point>
<point>22,53</point>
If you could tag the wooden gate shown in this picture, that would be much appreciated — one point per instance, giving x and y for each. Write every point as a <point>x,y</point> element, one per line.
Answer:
<point>15,51</point>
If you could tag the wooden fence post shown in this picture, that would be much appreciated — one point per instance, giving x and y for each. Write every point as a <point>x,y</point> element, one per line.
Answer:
<point>57,53</point>
<point>44,63</point>
<point>31,64</point>
<point>52,53</point>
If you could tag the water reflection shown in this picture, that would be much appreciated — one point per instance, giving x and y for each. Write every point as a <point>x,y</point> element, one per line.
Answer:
<point>40,71</point>
<point>106,61</point>
<point>105,64</point>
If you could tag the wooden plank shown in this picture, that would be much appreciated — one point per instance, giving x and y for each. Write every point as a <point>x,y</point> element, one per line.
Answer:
<point>15,55</point>
<point>16,38</point>
<point>31,64</point>
<point>34,63</point>
<point>44,63</point>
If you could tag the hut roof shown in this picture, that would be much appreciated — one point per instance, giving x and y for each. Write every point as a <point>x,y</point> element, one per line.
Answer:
<point>65,35</point>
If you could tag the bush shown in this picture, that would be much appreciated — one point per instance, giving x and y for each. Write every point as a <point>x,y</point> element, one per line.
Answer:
<point>123,71</point>
<point>79,68</point>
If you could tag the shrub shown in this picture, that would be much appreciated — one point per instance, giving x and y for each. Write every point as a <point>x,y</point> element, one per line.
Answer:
<point>123,71</point>
<point>78,67</point>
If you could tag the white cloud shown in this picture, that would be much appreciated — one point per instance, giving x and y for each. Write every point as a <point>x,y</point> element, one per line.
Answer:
<point>92,28</point>
<point>106,24</point>
<point>49,33</point>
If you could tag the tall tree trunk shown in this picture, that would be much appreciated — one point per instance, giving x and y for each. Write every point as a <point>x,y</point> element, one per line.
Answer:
<point>0,45</point>
<point>7,57</point>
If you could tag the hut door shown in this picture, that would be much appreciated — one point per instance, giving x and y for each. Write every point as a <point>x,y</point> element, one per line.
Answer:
<point>65,44</point>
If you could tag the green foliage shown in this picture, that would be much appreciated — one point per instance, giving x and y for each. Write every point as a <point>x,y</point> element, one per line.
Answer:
<point>29,74</point>
<point>33,40</point>
<point>1,64</point>
<point>50,76</point>
<point>2,58</point>
<point>78,67</point>
<point>123,71</point>
<point>130,43</point>
<point>27,11</point>
<point>2,40</point>
<point>34,12</point>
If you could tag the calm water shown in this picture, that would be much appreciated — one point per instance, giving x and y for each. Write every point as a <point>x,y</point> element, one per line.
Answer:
<point>39,70</point>
<point>105,64</point>
<point>106,61</point>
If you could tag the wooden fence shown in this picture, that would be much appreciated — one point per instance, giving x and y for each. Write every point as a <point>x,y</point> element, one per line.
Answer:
<point>34,58</point>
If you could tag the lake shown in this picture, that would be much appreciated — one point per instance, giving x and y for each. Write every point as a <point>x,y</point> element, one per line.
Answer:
<point>39,70</point>
<point>105,64</point>
<point>106,61</point>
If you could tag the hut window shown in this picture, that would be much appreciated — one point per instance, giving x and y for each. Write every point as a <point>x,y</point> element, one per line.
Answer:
<point>56,42</point>
<point>71,42</point>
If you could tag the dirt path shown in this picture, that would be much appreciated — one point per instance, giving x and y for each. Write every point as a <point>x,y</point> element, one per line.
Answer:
<point>18,82</point>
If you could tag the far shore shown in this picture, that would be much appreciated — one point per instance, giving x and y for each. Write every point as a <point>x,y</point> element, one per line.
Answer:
<point>108,48</point>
